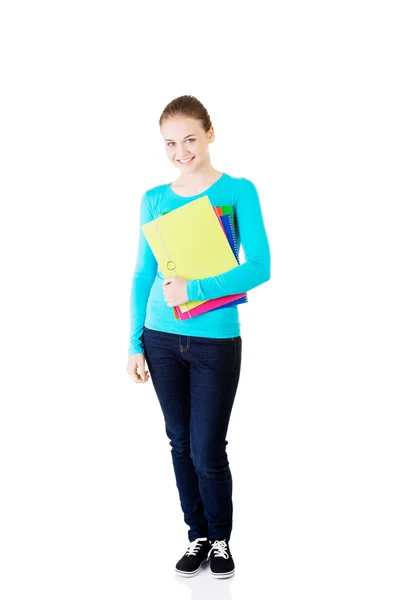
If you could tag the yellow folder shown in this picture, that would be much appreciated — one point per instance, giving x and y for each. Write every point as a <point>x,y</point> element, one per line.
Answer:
<point>189,242</point>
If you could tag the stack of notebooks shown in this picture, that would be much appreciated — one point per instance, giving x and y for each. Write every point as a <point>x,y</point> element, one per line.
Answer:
<point>194,241</point>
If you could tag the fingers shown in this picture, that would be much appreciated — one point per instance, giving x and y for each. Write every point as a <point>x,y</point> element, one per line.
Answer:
<point>139,374</point>
<point>136,369</point>
<point>138,379</point>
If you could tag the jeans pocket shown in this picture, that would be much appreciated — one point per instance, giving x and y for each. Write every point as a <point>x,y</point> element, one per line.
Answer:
<point>218,352</point>
<point>222,341</point>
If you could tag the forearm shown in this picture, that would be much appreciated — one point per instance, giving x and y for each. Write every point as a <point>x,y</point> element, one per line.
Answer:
<point>238,280</point>
<point>142,282</point>
<point>140,291</point>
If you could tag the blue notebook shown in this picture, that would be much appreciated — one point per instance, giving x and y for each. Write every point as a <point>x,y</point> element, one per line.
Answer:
<point>227,222</point>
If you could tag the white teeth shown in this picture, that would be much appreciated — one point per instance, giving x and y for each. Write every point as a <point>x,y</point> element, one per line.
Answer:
<point>185,161</point>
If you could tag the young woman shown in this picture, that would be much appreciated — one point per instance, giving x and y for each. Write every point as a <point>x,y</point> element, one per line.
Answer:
<point>195,363</point>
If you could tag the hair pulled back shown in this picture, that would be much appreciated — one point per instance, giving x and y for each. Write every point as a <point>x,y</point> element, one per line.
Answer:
<point>187,106</point>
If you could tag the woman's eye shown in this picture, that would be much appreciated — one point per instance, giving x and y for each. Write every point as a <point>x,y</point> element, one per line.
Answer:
<point>189,140</point>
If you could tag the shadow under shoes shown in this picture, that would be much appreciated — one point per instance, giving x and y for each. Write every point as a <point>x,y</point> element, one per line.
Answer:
<point>194,557</point>
<point>221,561</point>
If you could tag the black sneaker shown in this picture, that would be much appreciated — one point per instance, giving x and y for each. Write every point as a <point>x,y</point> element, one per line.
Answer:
<point>194,557</point>
<point>221,562</point>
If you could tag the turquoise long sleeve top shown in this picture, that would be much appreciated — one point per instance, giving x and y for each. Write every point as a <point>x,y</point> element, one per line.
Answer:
<point>147,303</point>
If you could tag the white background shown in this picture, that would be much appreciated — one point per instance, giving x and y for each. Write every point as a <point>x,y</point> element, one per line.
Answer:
<point>304,98</point>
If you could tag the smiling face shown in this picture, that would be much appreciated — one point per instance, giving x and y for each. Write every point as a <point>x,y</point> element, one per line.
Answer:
<point>186,142</point>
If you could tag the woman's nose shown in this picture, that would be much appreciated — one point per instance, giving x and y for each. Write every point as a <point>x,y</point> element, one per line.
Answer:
<point>182,153</point>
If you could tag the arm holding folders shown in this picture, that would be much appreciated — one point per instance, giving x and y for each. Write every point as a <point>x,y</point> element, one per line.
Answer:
<point>253,236</point>
<point>189,242</point>
<point>226,221</point>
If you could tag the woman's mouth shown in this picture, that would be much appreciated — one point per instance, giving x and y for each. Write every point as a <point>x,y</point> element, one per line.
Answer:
<point>186,161</point>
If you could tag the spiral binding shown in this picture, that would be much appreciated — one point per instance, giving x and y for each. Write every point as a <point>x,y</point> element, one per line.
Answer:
<point>236,251</point>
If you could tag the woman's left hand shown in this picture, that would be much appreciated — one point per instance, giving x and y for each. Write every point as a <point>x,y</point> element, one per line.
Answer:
<point>175,291</point>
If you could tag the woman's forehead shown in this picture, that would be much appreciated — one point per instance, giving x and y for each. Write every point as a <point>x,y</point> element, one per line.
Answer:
<point>180,127</point>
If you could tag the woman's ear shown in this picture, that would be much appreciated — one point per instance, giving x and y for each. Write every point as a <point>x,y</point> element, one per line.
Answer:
<point>211,134</point>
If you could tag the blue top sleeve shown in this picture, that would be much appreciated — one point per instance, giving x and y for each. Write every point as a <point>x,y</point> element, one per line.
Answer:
<point>253,237</point>
<point>142,281</point>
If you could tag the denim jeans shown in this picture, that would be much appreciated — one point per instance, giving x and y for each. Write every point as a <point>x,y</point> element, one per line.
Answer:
<point>195,380</point>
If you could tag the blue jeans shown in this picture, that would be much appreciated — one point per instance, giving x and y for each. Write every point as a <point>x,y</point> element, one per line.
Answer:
<point>195,380</point>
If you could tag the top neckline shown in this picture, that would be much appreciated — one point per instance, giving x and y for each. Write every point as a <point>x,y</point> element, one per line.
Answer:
<point>201,193</point>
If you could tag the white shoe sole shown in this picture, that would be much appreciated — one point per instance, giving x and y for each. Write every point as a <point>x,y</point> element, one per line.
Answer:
<point>222,575</point>
<point>190,573</point>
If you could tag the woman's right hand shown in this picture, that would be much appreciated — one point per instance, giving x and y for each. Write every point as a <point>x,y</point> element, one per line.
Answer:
<point>137,362</point>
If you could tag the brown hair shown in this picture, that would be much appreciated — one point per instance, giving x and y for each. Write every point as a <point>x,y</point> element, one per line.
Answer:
<point>187,106</point>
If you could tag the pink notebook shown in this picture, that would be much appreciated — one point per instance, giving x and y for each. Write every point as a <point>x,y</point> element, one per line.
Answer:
<point>209,305</point>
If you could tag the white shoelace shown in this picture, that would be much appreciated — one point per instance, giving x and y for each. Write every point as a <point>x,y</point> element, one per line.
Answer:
<point>220,548</point>
<point>194,546</point>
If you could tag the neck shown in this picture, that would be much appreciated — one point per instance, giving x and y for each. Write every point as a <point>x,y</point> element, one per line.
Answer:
<point>203,173</point>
